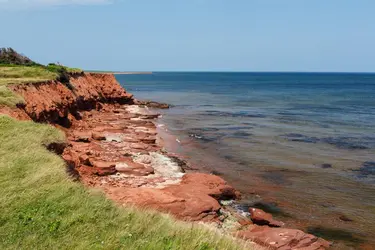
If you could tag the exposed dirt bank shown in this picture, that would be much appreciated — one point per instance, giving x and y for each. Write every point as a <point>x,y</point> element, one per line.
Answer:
<point>113,145</point>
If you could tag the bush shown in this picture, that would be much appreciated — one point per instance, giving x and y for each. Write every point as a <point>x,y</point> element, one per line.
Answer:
<point>9,56</point>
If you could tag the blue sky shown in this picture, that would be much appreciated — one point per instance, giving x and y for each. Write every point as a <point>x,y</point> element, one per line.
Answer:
<point>194,35</point>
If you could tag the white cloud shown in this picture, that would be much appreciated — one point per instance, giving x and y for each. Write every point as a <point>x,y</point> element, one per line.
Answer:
<point>25,4</point>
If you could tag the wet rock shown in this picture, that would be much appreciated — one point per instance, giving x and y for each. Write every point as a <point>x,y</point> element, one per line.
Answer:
<point>283,239</point>
<point>152,104</point>
<point>211,185</point>
<point>260,217</point>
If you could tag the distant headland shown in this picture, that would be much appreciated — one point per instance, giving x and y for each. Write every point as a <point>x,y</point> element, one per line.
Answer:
<point>120,72</point>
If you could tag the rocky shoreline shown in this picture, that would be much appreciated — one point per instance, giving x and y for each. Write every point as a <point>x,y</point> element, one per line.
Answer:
<point>113,144</point>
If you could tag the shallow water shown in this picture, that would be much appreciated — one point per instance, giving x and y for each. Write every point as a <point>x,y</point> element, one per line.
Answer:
<point>300,145</point>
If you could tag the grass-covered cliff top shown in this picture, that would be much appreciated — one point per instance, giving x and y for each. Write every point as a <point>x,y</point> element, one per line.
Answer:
<point>18,69</point>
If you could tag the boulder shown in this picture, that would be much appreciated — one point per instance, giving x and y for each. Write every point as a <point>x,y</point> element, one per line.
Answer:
<point>103,167</point>
<point>188,206</point>
<point>211,185</point>
<point>259,217</point>
<point>283,239</point>
<point>82,136</point>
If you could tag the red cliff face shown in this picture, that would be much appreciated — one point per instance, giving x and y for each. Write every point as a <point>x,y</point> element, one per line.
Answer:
<point>59,103</point>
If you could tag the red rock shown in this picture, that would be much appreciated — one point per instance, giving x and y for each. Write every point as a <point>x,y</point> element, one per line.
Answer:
<point>152,104</point>
<point>139,146</point>
<point>259,217</point>
<point>211,185</point>
<point>84,159</point>
<point>283,239</point>
<point>81,136</point>
<point>98,136</point>
<point>53,101</point>
<point>133,168</point>
<point>103,167</point>
<point>188,206</point>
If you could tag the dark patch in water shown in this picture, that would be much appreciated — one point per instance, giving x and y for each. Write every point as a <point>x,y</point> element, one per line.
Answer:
<point>215,137</point>
<point>241,134</point>
<point>233,114</point>
<point>300,138</point>
<point>237,128</point>
<point>326,165</point>
<point>327,205</point>
<point>367,169</point>
<point>204,129</point>
<point>341,142</point>
<point>268,207</point>
<point>228,157</point>
<point>334,234</point>
<point>277,178</point>
<point>280,176</point>
<point>215,172</point>
<point>345,142</point>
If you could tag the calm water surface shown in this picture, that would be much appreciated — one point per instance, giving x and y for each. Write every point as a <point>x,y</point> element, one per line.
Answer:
<point>300,145</point>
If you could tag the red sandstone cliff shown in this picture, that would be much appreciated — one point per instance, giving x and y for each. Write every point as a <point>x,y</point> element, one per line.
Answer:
<point>56,102</point>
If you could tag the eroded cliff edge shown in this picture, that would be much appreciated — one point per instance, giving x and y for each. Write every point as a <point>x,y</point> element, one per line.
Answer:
<point>113,144</point>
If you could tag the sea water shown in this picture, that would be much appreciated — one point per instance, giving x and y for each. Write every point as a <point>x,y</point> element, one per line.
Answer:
<point>299,145</point>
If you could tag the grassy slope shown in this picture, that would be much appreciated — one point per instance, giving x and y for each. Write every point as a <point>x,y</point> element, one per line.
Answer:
<point>41,208</point>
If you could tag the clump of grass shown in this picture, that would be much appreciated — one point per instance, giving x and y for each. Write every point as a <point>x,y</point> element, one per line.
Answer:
<point>41,208</point>
<point>60,68</point>
<point>8,98</point>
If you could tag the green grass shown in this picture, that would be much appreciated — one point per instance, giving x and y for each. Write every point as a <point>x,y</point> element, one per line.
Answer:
<point>58,68</point>
<point>11,74</point>
<point>25,74</point>
<point>41,208</point>
<point>15,74</point>
<point>8,98</point>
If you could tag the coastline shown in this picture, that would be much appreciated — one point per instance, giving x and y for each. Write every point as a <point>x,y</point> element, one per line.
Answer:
<point>112,144</point>
<point>121,72</point>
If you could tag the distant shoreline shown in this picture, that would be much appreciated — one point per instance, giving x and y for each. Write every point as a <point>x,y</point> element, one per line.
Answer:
<point>119,72</point>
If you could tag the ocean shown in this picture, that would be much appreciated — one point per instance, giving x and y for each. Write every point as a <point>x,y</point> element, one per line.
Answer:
<point>298,145</point>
